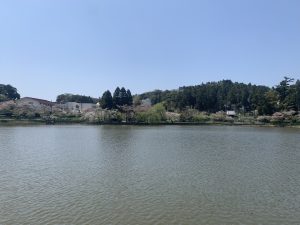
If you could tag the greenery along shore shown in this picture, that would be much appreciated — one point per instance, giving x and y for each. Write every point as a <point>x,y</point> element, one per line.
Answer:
<point>224,102</point>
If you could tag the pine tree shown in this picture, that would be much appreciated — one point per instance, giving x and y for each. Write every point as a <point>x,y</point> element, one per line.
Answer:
<point>116,97</point>
<point>123,97</point>
<point>284,91</point>
<point>106,100</point>
<point>129,97</point>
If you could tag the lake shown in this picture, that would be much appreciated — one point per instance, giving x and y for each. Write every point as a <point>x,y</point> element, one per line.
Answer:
<point>80,174</point>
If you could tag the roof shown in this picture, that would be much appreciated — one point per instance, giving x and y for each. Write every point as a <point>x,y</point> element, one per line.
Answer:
<point>230,113</point>
<point>41,101</point>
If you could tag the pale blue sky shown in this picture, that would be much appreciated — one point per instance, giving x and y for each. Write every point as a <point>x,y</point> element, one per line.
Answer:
<point>49,47</point>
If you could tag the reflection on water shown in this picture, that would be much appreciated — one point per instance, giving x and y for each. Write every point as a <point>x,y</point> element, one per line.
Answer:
<point>149,175</point>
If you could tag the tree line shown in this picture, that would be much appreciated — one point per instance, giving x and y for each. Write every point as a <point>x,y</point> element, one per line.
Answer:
<point>120,98</point>
<point>63,98</point>
<point>227,95</point>
<point>210,97</point>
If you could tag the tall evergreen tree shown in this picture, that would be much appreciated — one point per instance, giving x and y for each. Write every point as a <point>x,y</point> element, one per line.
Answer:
<point>123,97</point>
<point>284,90</point>
<point>106,100</point>
<point>129,97</point>
<point>116,97</point>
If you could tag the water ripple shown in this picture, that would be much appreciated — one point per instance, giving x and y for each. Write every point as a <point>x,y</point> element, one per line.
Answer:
<point>149,175</point>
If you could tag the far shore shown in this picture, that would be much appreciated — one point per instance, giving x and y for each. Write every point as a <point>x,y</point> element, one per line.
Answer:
<point>23,122</point>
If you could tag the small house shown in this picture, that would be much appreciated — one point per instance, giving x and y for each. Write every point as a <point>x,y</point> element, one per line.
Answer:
<point>231,113</point>
<point>34,102</point>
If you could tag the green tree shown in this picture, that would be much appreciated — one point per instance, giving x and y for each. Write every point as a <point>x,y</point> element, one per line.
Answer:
<point>156,114</point>
<point>8,92</point>
<point>63,98</point>
<point>106,100</point>
<point>269,103</point>
<point>116,98</point>
<point>284,90</point>
<point>211,97</point>
<point>129,97</point>
<point>123,97</point>
<point>3,98</point>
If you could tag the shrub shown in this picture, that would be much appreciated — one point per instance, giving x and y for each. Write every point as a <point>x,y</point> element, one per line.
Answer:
<point>218,117</point>
<point>264,119</point>
<point>155,114</point>
<point>200,117</point>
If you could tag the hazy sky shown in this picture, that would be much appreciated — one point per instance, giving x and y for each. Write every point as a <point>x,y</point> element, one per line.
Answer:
<point>49,47</point>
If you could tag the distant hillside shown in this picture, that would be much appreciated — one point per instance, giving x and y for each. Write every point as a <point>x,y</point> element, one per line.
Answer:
<point>228,95</point>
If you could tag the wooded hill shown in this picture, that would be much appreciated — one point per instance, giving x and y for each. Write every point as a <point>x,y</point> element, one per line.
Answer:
<point>208,97</point>
<point>227,95</point>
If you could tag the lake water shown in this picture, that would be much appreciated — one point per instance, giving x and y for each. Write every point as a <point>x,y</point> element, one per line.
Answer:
<point>149,175</point>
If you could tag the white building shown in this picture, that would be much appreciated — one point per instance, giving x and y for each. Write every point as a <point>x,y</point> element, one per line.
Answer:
<point>231,113</point>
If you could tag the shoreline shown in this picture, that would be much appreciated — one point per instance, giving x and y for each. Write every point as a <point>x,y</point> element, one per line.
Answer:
<point>24,122</point>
